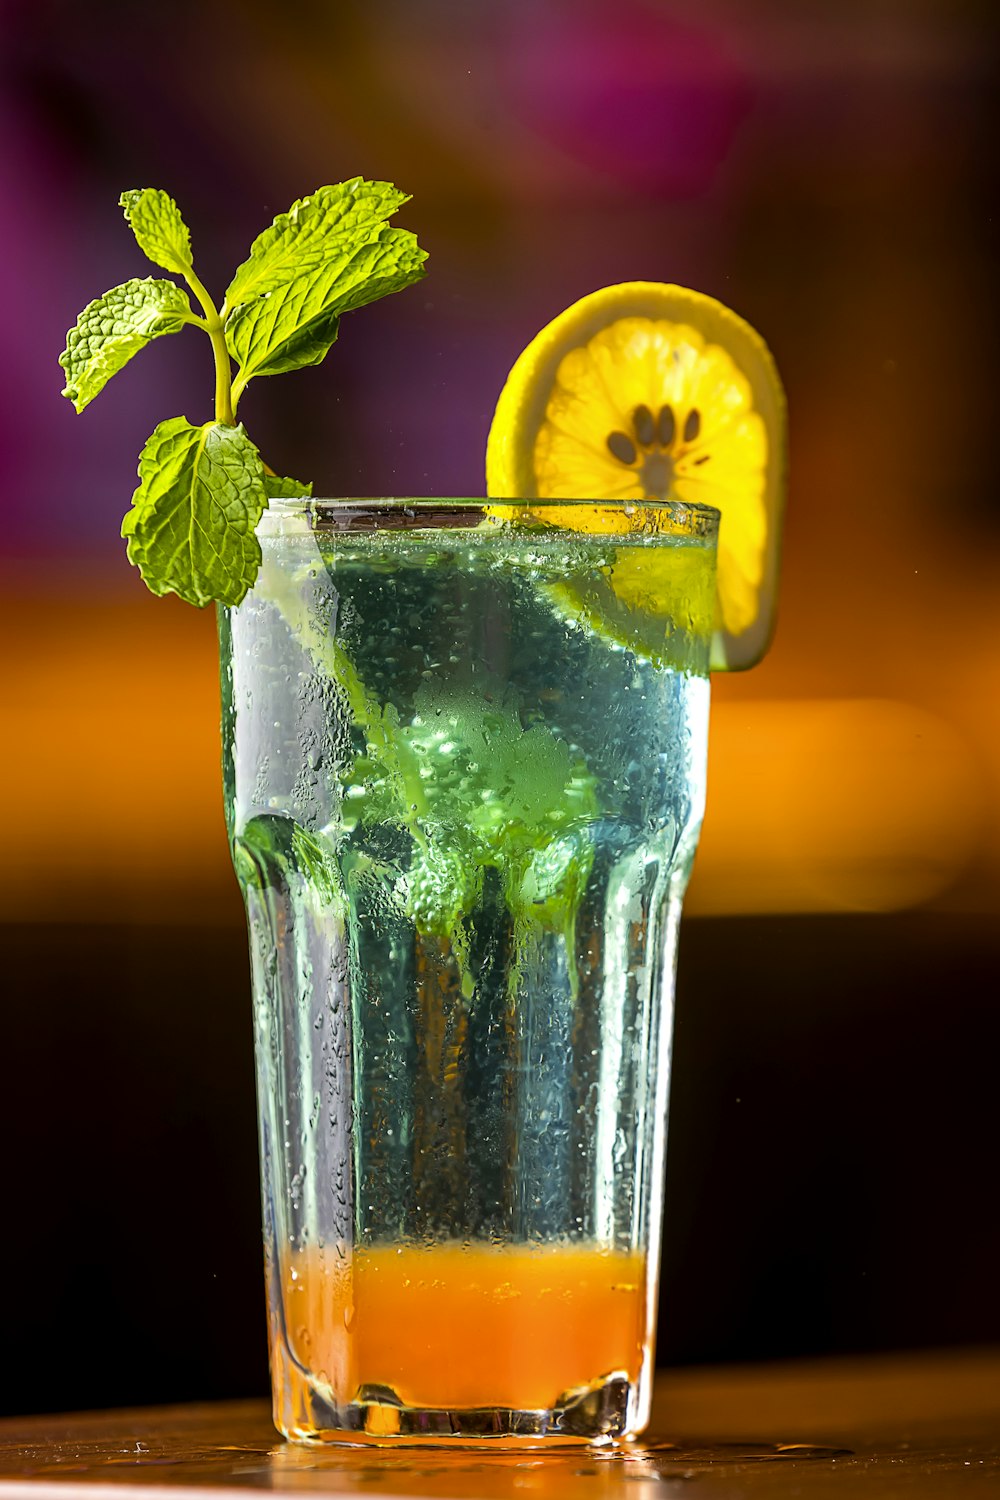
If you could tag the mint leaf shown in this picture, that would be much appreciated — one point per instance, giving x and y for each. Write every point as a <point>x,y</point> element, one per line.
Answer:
<point>319,865</point>
<point>295,323</point>
<point>441,887</point>
<point>191,527</point>
<point>314,228</point>
<point>265,339</point>
<point>286,489</point>
<point>156,222</point>
<point>478,809</point>
<point>331,252</point>
<point>113,328</point>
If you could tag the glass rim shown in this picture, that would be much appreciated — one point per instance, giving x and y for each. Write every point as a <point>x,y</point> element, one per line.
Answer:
<point>406,512</point>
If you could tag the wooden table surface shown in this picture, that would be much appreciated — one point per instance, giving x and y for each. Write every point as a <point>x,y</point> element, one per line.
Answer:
<point>917,1427</point>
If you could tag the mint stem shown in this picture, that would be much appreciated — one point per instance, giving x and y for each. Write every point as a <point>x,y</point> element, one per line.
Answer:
<point>225,410</point>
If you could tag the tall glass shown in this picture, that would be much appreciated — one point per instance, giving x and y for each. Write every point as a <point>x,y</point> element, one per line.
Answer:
<point>465,772</point>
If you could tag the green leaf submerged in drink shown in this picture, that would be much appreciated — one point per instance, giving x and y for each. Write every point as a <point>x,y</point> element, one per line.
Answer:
<point>479,791</point>
<point>202,489</point>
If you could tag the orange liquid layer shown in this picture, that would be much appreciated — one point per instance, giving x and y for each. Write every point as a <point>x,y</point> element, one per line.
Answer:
<point>453,1327</point>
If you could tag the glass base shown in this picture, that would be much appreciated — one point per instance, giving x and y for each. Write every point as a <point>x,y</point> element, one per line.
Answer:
<point>600,1413</point>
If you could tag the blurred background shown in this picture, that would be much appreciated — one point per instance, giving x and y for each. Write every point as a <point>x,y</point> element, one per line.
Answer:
<point>823,167</point>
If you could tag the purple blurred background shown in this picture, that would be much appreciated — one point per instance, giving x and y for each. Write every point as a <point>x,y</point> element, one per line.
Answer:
<point>822,167</point>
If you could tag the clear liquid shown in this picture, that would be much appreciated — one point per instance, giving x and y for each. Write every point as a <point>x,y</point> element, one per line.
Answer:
<point>463,820</point>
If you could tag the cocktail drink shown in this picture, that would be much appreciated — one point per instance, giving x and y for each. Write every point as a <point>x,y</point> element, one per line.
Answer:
<point>464,781</point>
<point>464,761</point>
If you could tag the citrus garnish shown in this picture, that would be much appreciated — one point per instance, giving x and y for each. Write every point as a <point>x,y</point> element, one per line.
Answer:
<point>651,392</point>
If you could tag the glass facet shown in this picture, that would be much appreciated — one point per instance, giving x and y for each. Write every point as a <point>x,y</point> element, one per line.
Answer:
<point>465,773</point>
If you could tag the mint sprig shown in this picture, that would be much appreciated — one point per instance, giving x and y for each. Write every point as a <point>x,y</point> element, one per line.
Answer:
<point>202,489</point>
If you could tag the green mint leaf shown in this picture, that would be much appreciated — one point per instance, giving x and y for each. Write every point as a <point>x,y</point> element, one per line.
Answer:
<point>295,324</point>
<point>156,222</point>
<point>191,527</point>
<point>327,222</point>
<point>286,489</point>
<point>320,865</point>
<point>113,328</point>
<point>266,340</point>
<point>478,809</point>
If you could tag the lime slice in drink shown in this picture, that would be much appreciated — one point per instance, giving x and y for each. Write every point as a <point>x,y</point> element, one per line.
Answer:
<point>646,391</point>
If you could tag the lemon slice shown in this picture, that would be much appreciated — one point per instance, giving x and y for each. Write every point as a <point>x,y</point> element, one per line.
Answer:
<point>646,391</point>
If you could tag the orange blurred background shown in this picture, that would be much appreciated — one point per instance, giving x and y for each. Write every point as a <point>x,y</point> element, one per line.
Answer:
<point>824,169</point>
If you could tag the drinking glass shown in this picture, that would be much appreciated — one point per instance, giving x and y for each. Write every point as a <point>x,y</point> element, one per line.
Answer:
<point>464,758</point>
